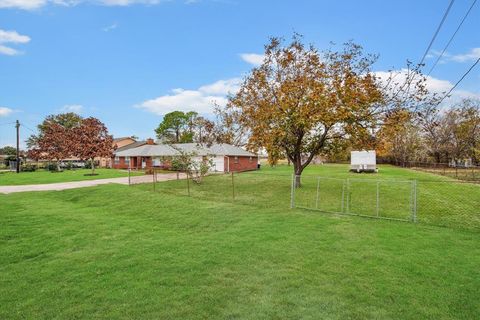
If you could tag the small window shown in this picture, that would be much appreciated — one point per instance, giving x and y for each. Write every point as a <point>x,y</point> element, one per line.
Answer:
<point>117,160</point>
<point>251,159</point>
<point>127,161</point>
<point>235,160</point>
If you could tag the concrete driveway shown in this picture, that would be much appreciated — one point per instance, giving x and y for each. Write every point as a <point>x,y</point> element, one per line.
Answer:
<point>87,183</point>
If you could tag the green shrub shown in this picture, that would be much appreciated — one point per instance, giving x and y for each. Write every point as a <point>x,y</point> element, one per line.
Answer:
<point>52,167</point>
<point>28,167</point>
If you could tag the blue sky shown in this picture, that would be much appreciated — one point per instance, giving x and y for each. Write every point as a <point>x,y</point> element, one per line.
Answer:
<point>127,62</point>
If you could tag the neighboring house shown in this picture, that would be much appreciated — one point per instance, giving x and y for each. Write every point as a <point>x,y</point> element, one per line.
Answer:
<point>226,158</point>
<point>118,143</point>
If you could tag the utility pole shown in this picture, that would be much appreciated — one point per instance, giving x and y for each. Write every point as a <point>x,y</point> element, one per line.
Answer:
<point>17,126</point>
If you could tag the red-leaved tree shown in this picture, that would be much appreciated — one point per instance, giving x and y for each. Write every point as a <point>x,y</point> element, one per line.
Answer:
<point>92,140</point>
<point>55,144</point>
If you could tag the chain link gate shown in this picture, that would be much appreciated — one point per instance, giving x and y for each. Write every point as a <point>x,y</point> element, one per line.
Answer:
<point>383,199</point>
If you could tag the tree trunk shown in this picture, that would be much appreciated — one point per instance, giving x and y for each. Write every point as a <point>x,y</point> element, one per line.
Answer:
<point>93,166</point>
<point>298,169</point>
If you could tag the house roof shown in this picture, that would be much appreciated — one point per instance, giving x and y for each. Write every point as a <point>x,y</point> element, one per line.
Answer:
<point>192,148</point>
<point>165,150</point>
<point>122,138</point>
<point>148,150</point>
<point>226,149</point>
<point>131,145</point>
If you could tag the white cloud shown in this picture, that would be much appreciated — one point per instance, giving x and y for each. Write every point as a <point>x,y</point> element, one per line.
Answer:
<point>252,58</point>
<point>4,111</point>
<point>222,87</point>
<point>434,85</point>
<point>23,4</point>
<point>11,37</point>
<point>127,2</point>
<point>201,100</point>
<point>36,4</point>
<point>77,108</point>
<point>110,27</point>
<point>8,51</point>
<point>472,55</point>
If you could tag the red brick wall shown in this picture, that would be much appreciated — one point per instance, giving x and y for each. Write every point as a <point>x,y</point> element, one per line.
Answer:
<point>133,164</point>
<point>121,164</point>
<point>243,163</point>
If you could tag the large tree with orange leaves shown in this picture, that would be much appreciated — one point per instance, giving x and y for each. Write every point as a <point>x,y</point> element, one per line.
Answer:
<point>299,100</point>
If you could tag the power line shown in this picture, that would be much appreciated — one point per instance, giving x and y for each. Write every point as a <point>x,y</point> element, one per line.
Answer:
<point>461,79</point>
<point>438,30</point>
<point>451,38</point>
<point>6,123</point>
<point>23,124</point>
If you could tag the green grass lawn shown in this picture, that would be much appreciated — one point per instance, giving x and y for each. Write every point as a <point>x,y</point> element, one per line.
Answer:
<point>44,176</point>
<point>441,201</point>
<point>124,252</point>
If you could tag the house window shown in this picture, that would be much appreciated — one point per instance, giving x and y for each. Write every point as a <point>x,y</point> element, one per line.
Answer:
<point>235,160</point>
<point>157,162</point>
<point>117,160</point>
<point>251,159</point>
<point>127,161</point>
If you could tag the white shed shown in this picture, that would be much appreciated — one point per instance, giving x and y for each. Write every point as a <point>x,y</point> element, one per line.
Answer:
<point>363,161</point>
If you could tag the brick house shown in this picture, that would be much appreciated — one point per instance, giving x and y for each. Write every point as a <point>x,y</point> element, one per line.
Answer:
<point>225,157</point>
<point>118,143</point>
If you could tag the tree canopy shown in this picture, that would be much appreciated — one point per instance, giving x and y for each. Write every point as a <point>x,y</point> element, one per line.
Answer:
<point>299,100</point>
<point>92,140</point>
<point>8,150</point>
<point>68,135</point>
<point>182,127</point>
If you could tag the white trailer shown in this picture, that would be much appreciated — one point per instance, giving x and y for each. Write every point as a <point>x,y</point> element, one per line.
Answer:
<point>363,161</point>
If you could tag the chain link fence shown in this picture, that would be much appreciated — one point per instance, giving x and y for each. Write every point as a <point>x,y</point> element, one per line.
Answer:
<point>386,199</point>
<point>449,203</point>
<point>442,203</point>
<point>248,188</point>
<point>460,171</point>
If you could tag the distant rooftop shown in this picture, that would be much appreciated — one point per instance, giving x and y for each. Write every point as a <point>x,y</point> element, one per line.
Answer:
<point>131,145</point>
<point>144,150</point>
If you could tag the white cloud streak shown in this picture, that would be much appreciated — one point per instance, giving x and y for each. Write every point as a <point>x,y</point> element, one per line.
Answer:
<point>37,4</point>
<point>4,111</point>
<point>201,100</point>
<point>254,59</point>
<point>434,85</point>
<point>110,27</point>
<point>23,4</point>
<point>205,97</point>
<point>472,55</point>
<point>11,37</point>
<point>8,51</point>
<point>469,56</point>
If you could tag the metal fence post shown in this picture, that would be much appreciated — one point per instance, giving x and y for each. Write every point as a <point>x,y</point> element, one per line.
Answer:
<point>415,201</point>
<point>318,189</point>
<point>153,179</point>
<point>378,199</point>
<point>292,192</point>
<point>188,184</point>
<point>129,181</point>
<point>348,195</point>
<point>233,188</point>
<point>343,196</point>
